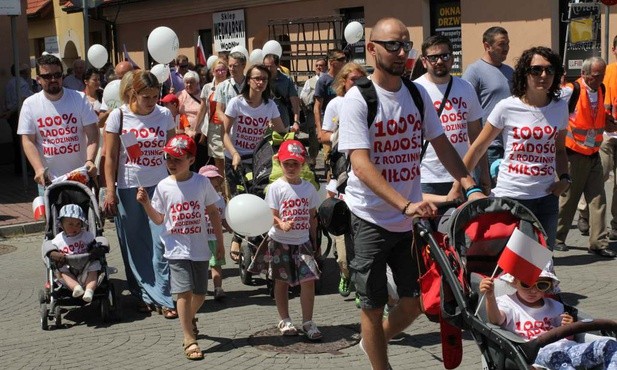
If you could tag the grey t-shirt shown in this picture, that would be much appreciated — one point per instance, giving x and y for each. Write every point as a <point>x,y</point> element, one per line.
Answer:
<point>492,84</point>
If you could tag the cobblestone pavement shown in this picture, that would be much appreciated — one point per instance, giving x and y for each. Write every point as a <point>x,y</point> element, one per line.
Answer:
<point>227,329</point>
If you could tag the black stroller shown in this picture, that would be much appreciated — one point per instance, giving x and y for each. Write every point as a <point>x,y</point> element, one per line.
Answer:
<point>256,183</point>
<point>475,234</point>
<point>54,294</point>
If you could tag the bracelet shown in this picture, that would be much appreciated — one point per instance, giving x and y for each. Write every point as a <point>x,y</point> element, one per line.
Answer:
<point>405,208</point>
<point>89,160</point>
<point>472,189</point>
<point>565,176</point>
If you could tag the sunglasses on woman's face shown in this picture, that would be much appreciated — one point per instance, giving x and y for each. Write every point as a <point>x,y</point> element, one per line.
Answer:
<point>541,285</point>
<point>537,70</point>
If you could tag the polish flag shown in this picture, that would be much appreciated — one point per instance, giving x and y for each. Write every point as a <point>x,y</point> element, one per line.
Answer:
<point>200,52</point>
<point>38,208</point>
<point>524,258</point>
<point>129,141</point>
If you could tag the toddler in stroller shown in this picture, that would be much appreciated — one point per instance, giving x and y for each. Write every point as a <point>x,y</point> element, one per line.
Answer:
<point>74,253</point>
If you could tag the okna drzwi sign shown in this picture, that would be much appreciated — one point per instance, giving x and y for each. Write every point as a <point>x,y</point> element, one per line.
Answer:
<point>229,29</point>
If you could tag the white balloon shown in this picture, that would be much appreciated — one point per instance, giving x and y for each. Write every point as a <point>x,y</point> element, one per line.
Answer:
<point>97,55</point>
<point>240,49</point>
<point>272,47</point>
<point>163,44</point>
<point>256,57</point>
<point>354,32</point>
<point>211,60</point>
<point>161,71</point>
<point>111,95</point>
<point>249,215</point>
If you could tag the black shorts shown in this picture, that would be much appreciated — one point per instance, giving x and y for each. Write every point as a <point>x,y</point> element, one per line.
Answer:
<point>376,247</point>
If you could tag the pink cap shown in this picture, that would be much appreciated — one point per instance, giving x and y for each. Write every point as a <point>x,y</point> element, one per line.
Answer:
<point>209,171</point>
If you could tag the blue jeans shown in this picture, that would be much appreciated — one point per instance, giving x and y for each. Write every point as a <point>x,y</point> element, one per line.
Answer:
<point>147,271</point>
<point>546,210</point>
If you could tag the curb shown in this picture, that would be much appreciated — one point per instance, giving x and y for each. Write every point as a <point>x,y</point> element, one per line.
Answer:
<point>22,229</point>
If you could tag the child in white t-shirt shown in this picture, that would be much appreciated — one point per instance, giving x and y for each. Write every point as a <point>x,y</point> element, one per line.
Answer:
<point>292,247</point>
<point>212,173</point>
<point>181,202</point>
<point>74,240</point>
<point>528,313</point>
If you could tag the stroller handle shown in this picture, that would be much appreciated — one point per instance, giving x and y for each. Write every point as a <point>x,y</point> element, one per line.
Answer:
<point>532,347</point>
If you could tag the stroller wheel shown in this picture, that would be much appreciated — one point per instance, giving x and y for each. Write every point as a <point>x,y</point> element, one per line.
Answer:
<point>57,317</point>
<point>246,254</point>
<point>105,309</point>
<point>44,317</point>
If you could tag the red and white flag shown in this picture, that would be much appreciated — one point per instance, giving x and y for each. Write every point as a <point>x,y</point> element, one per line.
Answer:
<point>129,141</point>
<point>524,258</point>
<point>201,55</point>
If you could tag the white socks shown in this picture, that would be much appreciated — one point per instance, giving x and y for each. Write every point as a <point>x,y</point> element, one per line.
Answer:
<point>88,295</point>
<point>78,291</point>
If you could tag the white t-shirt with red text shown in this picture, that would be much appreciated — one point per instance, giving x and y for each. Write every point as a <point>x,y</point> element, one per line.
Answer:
<point>151,132</point>
<point>294,203</point>
<point>76,244</point>
<point>529,322</point>
<point>59,129</point>
<point>184,205</point>
<point>528,166</point>
<point>250,124</point>
<point>220,205</point>
<point>394,141</point>
<point>462,107</point>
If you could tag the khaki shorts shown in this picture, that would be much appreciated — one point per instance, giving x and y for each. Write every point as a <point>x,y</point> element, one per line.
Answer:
<point>215,141</point>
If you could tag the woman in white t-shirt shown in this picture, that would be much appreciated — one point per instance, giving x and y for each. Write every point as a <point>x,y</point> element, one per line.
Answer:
<point>533,122</point>
<point>149,125</point>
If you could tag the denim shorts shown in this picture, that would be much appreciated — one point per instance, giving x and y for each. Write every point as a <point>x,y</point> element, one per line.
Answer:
<point>376,247</point>
<point>188,276</point>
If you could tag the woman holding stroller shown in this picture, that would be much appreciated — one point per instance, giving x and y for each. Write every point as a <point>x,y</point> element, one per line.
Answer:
<point>147,272</point>
<point>248,117</point>
<point>533,122</point>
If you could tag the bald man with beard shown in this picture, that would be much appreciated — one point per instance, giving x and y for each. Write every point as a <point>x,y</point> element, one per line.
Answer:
<point>383,195</point>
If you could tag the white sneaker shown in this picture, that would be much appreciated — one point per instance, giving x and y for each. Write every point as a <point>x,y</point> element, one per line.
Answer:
<point>88,295</point>
<point>78,291</point>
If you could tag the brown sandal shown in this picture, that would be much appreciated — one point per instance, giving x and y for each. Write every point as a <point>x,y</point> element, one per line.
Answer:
<point>170,313</point>
<point>193,354</point>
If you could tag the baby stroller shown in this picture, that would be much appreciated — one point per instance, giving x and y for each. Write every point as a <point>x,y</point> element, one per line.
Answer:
<point>54,294</point>
<point>264,172</point>
<point>465,246</point>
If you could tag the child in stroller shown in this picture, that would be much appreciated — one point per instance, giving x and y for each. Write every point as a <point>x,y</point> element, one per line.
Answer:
<point>529,313</point>
<point>74,253</point>
<point>74,240</point>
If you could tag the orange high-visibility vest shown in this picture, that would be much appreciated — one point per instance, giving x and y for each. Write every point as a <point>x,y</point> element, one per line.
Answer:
<point>585,131</point>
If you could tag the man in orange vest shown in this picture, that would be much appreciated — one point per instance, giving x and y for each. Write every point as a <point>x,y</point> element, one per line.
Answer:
<point>588,121</point>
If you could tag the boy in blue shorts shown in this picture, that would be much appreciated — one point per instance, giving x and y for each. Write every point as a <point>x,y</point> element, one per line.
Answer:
<point>181,201</point>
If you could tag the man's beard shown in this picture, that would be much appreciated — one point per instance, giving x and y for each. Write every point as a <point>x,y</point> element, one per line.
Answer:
<point>393,69</point>
<point>53,90</point>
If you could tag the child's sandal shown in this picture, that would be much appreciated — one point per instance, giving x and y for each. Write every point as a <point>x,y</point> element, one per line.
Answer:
<point>287,328</point>
<point>310,330</point>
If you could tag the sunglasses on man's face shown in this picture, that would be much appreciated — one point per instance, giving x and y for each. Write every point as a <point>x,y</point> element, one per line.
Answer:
<point>541,285</point>
<point>537,70</point>
<point>435,57</point>
<point>395,46</point>
<point>50,76</point>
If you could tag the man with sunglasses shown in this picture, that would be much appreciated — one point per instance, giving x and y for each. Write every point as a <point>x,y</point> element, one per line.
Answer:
<point>383,190</point>
<point>587,123</point>
<point>177,74</point>
<point>58,126</point>
<point>492,80</point>
<point>323,89</point>
<point>460,114</point>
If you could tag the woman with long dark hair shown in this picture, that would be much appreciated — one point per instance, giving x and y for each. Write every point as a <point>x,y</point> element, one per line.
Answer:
<point>533,122</point>
<point>147,272</point>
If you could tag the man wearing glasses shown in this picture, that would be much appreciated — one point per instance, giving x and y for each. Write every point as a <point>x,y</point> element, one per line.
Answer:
<point>323,89</point>
<point>588,121</point>
<point>383,190</point>
<point>177,74</point>
<point>58,126</point>
<point>492,80</point>
<point>460,115</point>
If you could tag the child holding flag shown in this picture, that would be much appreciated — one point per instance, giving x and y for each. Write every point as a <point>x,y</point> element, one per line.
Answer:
<point>529,313</point>
<point>181,202</point>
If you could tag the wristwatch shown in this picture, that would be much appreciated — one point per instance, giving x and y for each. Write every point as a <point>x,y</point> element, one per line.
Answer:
<point>565,176</point>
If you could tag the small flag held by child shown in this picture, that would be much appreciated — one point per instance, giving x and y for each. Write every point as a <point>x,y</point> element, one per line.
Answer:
<point>129,141</point>
<point>524,258</point>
